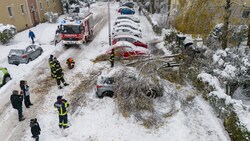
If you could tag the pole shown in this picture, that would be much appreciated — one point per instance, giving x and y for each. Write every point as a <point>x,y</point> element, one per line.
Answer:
<point>109,23</point>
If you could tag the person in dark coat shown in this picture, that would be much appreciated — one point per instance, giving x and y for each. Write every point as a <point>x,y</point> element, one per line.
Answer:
<point>57,73</point>
<point>112,58</point>
<point>17,101</point>
<point>26,93</point>
<point>32,36</point>
<point>35,128</point>
<point>62,105</point>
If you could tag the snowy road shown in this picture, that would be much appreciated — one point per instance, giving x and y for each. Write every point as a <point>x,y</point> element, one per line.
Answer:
<point>93,119</point>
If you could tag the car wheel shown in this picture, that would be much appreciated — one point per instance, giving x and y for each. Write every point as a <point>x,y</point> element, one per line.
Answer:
<point>99,96</point>
<point>41,52</point>
<point>108,93</point>
<point>28,60</point>
<point>6,79</point>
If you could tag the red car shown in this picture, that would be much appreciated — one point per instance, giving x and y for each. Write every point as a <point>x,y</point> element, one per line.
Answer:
<point>129,38</point>
<point>126,49</point>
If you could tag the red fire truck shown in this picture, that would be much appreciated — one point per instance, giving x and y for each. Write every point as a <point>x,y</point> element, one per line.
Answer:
<point>76,31</point>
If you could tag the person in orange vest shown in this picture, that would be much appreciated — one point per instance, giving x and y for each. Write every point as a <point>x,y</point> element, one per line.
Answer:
<point>71,63</point>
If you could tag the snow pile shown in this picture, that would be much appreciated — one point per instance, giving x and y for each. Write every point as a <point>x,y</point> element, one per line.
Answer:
<point>6,27</point>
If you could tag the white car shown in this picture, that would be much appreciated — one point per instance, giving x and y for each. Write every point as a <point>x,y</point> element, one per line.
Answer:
<point>129,25</point>
<point>118,21</point>
<point>129,17</point>
<point>125,31</point>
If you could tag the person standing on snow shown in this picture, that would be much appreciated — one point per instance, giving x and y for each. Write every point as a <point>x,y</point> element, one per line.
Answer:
<point>51,64</point>
<point>25,90</point>
<point>112,58</point>
<point>61,105</point>
<point>57,73</point>
<point>16,102</point>
<point>32,36</point>
<point>35,129</point>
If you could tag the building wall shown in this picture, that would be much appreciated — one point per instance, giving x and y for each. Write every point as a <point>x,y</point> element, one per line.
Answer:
<point>19,19</point>
<point>54,6</point>
<point>33,11</point>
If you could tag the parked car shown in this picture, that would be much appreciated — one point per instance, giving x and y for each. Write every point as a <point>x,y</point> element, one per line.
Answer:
<point>105,86</point>
<point>129,17</point>
<point>118,21</point>
<point>126,10</point>
<point>18,56</point>
<point>4,76</point>
<point>125,31</point>
<point>129,4</point>
<point>132,39</point>
<point>125,50</point>
<point>129,25</point>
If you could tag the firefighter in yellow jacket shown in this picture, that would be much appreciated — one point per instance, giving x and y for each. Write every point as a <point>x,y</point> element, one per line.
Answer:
<point>62,105</point>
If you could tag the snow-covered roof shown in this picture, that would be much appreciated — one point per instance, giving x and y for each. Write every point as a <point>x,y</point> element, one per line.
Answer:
<point>126,20</point>
<point>129,36</point>
<point>127,28</point>
<point>129,23</point>
<point>123,43</point>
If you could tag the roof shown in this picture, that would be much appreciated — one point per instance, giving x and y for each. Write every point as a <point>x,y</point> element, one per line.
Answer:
<point>130,29</point>
<point>126,20</point>
<point>123,43</point>
<point>130,36</point>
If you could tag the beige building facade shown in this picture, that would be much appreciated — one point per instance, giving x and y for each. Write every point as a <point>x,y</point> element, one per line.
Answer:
<point>27,13</point>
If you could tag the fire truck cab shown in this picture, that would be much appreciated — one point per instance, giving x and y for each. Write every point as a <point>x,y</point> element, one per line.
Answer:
<point>76,31</point>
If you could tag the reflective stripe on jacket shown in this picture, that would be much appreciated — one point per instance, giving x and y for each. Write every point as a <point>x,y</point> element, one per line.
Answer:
<point>61,107</point>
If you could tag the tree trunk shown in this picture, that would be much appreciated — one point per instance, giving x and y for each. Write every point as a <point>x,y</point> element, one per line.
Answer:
<point>226,23</point>
<point>248,36</point>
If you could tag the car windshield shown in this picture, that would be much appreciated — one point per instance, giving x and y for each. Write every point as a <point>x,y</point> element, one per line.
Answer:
<point>16,52</point>
<point>72,29</point>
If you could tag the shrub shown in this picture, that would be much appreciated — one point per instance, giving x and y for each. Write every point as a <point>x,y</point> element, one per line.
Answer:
<point>6,33</point>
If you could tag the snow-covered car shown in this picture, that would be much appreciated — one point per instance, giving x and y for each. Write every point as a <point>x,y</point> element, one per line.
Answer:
<point>129,25</point>
<point>118,21</point>
<point>129,4</point>
<point>4,76</point>
<point>105,86</point>
<point>125,31</point>
<point>126,10</point>
<point>125,50</point>
<point>130,38</point>
<point>129,17</point>
<point>18,56</point>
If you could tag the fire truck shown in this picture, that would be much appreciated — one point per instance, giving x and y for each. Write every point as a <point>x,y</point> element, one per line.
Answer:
<point>76,31</point>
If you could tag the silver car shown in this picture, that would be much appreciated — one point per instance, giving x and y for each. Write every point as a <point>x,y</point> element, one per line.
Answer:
<point>105,86</point>
<point>18,56</point>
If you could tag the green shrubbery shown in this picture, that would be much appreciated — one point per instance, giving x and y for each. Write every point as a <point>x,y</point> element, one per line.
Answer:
<point>6,33</point>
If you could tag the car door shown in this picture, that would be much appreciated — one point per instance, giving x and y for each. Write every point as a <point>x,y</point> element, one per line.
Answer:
<point>128,52</point>
<point>30,53</point>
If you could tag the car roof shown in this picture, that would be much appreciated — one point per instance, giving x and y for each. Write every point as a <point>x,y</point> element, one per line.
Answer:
<point>123,20</point>
<point>120,28</point>
<point>129,24</point>
<point>126,8</point>
<point>123,43</point>
<point>128,36</point>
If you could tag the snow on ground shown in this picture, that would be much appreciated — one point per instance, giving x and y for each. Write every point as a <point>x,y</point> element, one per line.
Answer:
<point>97,119</point>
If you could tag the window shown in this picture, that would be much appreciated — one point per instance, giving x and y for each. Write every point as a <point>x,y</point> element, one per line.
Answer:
<point>10,11</point>
<point>47,3</point>
<point>41,6</point>
<point>22,9</point>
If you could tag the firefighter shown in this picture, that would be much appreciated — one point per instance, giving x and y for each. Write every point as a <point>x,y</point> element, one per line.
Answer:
<point>51,64</point>
<point>112,58</point>
<point>71,63</point>
<point>61,105</point>
<point>57,73</point>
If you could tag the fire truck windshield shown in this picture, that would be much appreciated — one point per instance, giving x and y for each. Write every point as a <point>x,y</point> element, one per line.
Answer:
<point>71,29</point>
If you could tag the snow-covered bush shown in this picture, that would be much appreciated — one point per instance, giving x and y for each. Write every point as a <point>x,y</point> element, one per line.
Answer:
<point>51,17</point>
<point>6,33</point>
